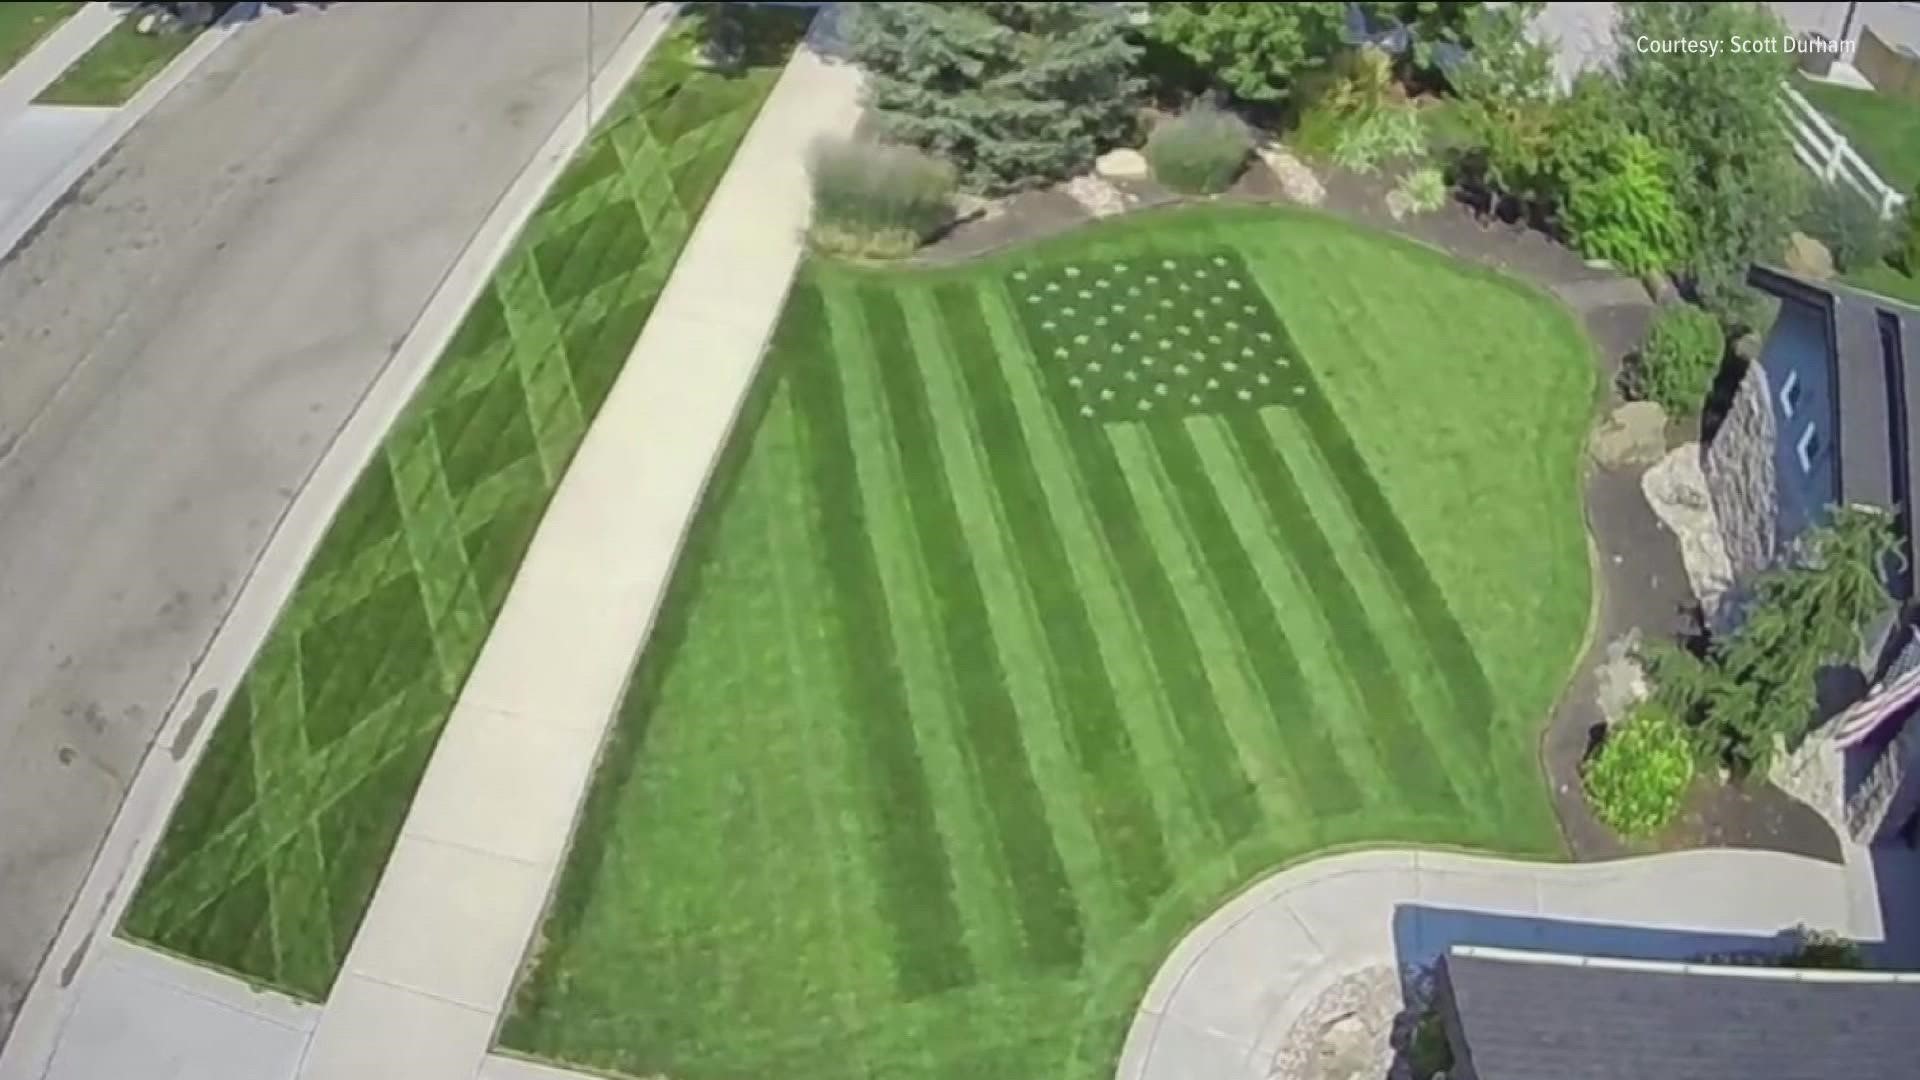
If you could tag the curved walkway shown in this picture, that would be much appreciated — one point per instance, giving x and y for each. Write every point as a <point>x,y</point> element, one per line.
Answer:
<point>1224,1001</point>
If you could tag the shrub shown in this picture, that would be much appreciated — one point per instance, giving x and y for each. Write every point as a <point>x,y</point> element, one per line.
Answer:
<point>1679,361</point>
<point>1200,151</point>
<point>1383,135</point>
<point>1635,781</point>
<point>1825,950</point>
<point>1256,52</point>
<point>1619,206</point>
<point>876,200</point>
<point>1848,224</point>
<point>1421,191</point>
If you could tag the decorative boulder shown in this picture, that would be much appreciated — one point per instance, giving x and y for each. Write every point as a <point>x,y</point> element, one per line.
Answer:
<point>1122,164</point>
<point>1808,258</point>
<point>1633,434</point>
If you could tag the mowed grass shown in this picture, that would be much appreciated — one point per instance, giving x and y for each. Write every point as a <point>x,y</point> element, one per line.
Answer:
<point>24,22</point>
<point>116,67</point>
<point>1884,129</point>
<point>1041,603</point>
<point>274,849</point>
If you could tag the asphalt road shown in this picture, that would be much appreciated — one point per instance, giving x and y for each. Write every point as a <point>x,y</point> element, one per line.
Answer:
<point>182,339</point>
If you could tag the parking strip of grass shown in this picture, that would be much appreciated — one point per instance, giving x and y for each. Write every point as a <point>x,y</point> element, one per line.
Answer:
<point>274,848</point>
<point>118,65</point>
<point>1042,602</point>
<point>24,23</point>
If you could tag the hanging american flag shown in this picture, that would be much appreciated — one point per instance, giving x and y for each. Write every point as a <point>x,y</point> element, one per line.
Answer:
<point>1899,689</point>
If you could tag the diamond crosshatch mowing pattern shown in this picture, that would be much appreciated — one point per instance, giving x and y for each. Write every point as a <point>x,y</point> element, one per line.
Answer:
<point>1157,337</point>
<point>274,849</point>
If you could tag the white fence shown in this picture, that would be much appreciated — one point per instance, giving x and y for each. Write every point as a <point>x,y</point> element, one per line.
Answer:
<point>1821,148</point>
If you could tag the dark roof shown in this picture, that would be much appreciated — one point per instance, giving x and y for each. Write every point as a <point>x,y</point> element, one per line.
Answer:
<point>1876,399</point>
<point>1534,1016</point>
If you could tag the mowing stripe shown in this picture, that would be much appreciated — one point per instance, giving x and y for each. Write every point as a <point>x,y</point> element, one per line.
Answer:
<point>1398,736</point>
<point>1459,738</point>
<point>1211,760</point>
<point>1246,728</point>
<point>1307,752</point>
<point>908,858</point>
<point>989,727</point>
<point>1335,700</point>
<point>801,560</point>
<point>1472,691</point>
<point>983,891</point>
<point>297,915</point>
<point>1128,660</point>
<point>1016,627</point>
<point>1113,786</point>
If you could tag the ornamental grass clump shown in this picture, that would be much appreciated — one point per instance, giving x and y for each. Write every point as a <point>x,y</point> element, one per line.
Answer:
<point>1201,151</point>
<point>876,200</point>
<point>1635,781</point>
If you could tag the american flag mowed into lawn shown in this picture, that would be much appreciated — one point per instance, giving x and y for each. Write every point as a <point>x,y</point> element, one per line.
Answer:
<point>1036,605</point>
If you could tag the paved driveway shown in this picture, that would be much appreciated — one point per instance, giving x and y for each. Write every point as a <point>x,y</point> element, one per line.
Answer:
<point>180,342</point>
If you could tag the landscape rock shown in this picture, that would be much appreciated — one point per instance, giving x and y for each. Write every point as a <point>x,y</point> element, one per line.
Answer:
<point>1807,257</point>
<point>1296,180</point>
<point>1097,196</point>
<point>1122,164</point>
<point>1634,434</point>
<point>1347,1032</point>
<point>1620,681</point>
<point>1739,469</point>
<point>1677,490</point>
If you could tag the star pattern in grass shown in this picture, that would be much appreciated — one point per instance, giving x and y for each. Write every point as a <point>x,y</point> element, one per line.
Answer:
<point>1157,337</point>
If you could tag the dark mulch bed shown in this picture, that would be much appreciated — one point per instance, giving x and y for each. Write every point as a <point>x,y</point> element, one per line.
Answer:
<point>1640,581</point>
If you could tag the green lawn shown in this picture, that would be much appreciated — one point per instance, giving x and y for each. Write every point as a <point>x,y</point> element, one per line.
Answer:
<point>24,23</point>
<point>274,849</point>
<point>116,68</point>
<point>1039,604</point>
<point>1883,128</point>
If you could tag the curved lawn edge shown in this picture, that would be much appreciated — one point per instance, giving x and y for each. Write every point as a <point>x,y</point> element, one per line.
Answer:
<point>1324,917</point>
<point>271,854</point>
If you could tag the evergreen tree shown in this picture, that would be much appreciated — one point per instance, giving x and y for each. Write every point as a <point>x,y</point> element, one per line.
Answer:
<point>1756,687</point>
<point>1014,94</point>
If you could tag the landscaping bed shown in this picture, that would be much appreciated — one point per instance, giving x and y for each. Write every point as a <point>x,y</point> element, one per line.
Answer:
<point>1011,639</point>
<point>275,847</point>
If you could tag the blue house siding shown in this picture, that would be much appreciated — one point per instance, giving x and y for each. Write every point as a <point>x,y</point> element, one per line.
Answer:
<point>1798,358</point>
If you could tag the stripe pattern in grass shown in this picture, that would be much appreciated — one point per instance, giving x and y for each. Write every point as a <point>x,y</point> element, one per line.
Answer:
<point>274,850</point>
<point>1087,666</point>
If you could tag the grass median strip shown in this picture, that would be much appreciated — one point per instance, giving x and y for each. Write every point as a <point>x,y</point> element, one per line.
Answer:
<point>272,855</point>
<point>117,66</point>
<point>1069,589</point>
<point>24,23</point>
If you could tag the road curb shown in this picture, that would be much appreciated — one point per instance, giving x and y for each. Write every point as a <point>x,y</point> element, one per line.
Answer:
<point>21,224</point>
<point>93,919</point>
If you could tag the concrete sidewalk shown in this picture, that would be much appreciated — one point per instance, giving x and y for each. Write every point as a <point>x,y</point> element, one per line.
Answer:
<point>435,961</point>
<point>1226,999</point>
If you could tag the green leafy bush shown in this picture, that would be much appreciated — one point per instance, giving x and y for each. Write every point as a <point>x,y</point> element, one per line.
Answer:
<point>1851,227</point>
<point>1635,781</point>
<point>876,200</point>
<point>1679,361</point>
<point>1256,52</point>
<point>1200,151</point>
<point>1421,191</point>
<point>1619,206</point>
<point>1383,135</point>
